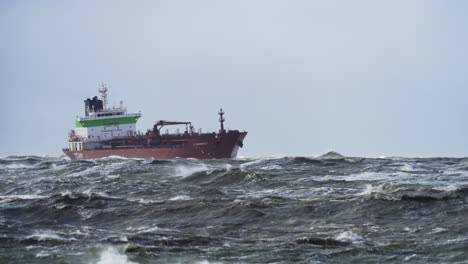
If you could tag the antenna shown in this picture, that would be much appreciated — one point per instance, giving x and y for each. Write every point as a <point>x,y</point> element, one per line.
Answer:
<point>221,120</point>
<point>103,90</point>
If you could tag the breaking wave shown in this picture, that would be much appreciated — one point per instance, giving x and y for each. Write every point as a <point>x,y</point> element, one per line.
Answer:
<point>111,255</point>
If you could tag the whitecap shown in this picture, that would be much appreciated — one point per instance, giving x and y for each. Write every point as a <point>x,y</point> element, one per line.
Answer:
<point>180,198</point>
<point>111,255</point>
<point>78,232</point>
<point>85,214</point>
<point>68,194</point>
<point>410,258</point>
<point>90,192</point>
<point>384,188</point>
<point>272,167</point>
<point>438,230</point>
<point>411,229</point>
<point>15,197</point>
<point>348,236</point>
<point>455,240</point>
<point>142,200</point>
<point>228,167</point>
<point>60,206</point>
<point>87,171</point>
<point>451,187</point>
<point>206,262</point>
<point>47,235</point>
<point>148,229</point>
<point>42,254</point>
<point>144,229</point>
<point>17,166</point>
<point>409,168</point>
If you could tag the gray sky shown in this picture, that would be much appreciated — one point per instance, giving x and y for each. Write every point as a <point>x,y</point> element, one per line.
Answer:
<point>364,78</point>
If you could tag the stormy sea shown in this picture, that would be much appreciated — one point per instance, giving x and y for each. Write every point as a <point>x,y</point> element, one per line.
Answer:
<point>327,209</point>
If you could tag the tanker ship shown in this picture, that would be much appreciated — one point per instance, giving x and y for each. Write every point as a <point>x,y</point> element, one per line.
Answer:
<point>105,132</point>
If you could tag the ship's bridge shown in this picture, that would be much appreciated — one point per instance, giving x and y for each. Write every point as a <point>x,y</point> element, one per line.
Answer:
<point>101,123</point>
<point>108,113</point>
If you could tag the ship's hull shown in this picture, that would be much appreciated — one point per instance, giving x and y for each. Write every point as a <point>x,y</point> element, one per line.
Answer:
<point>225,147</point>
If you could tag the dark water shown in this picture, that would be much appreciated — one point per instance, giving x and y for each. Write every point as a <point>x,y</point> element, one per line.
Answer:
<point>329,209</point>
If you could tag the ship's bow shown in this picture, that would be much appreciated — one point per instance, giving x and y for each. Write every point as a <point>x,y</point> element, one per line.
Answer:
<point>230,143</point>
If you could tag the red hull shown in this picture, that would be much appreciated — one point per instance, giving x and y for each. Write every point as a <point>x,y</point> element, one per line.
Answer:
<point>224,147</point>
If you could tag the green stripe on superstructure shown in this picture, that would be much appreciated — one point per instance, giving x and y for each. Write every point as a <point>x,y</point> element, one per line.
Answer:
<point>107,122</point>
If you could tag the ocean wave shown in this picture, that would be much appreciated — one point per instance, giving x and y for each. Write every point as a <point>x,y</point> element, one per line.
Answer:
<point>149,229</point>
<point>267,210</point>
<point>31,159</point>
<point>349,236</point>
<point>331,155</point>
<point>223,177</point>
<point>48,235</point>
<point>326,242</point>
<point>180,198</point>
<point>185,171</point>
<point>111,255</point>
<point>16,166</point>
<point>398,192</point>
<point>87,195</point>
<point>256,162</point>
<point>159,162</point>
<point>325,161</point>
<point>19,197</point>
<point>144,201</point>
<point>306,160</point>
<point>115,158</point>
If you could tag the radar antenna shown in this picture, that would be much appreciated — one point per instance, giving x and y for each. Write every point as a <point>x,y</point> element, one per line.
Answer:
<point>103,90</point>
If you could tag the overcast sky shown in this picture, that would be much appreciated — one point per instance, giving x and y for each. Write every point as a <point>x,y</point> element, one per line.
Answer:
<point>364,78</point>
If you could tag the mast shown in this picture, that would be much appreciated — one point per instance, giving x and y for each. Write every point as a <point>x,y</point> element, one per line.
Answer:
<point>221,120</point>
<point>103,90</point>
